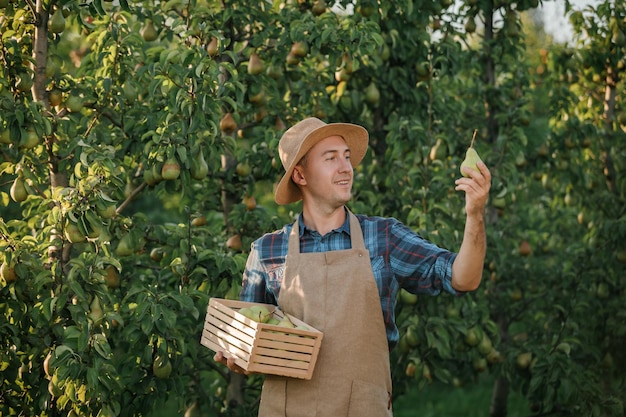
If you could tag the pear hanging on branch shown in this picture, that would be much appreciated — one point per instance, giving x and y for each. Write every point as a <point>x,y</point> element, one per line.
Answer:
<point>228,124</point>
<point>149,32</point>
<point>213,47</point>
<point>56,24</point>
<point>199,167</point>
<point>18,190</point>
<point>255,64</point>
<point>471,158</point>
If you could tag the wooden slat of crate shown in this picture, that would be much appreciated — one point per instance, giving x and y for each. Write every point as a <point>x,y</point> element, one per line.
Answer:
<point>281,354</point>
<point>261,347</point>
<point>224,331</point>
<point>232,337</point>
<point>287,347</point>
<point>231,346</point>
<point>230,324</point>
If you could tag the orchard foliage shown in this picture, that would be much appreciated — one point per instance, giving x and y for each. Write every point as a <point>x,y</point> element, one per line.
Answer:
<point>139,150</point>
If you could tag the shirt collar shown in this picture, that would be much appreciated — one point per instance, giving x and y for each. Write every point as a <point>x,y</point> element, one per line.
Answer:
<point>345,227</point>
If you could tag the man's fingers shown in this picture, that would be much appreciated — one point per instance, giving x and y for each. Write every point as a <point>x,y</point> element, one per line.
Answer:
<point>229,362</point>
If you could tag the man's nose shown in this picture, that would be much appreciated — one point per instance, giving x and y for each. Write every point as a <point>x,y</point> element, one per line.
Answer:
<point>345,166</point>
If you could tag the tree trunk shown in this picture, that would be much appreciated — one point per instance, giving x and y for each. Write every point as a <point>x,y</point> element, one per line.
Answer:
<point>490,80</point>
<point>609,115</point>
<point>234,392</point>
<point>499,398</point>
<point>40,54</point>
<point>500,394</point>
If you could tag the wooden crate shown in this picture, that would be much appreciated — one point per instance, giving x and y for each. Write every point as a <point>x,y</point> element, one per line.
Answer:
<point>261,347</point>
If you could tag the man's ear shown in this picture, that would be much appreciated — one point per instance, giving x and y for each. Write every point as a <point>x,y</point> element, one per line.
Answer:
<point>297,176</point>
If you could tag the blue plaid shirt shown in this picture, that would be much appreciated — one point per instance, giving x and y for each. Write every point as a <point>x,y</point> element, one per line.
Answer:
<point>400,258</point>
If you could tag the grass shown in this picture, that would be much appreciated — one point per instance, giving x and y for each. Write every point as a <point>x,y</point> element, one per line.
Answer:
<point>440,400</point>
<point>434,400</point>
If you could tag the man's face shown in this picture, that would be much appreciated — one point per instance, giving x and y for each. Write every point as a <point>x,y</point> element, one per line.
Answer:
<point>326,173</point>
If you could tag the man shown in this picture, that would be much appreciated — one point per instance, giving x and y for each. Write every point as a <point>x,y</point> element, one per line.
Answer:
<point>341,272</point>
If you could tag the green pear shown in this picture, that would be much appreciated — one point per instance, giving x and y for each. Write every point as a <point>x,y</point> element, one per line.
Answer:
<point>129,91</point>
<point>255,64</point>
<point>7,272</point>
<point>105,210</point>
<point>471,158</point>
<point>470,25</point>
<point>124,247</point>
<point>95,310</point>
<point>213,47</point>
<point>372,94</point>
<point>56,24</point>
<point>30,139</point>
<point>162,367</point>
<point>73,233</point>
<point>261,313</point>
<point>5,135</point>
<point>199,167</point>
<point>285,322</point>
<point>258,313</point>
<point>412,337</point>
<point>471,161</point>
<point>25,81</point>
<point>319,7</point>
<point>246,312</point>
<point>18,190</point>
<point>170,169</point>
<point>149,32</point>
<point>74,103</point>
<point>485,345</point>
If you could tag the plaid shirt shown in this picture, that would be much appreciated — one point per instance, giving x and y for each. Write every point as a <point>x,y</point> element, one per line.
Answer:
<point>399,257</point>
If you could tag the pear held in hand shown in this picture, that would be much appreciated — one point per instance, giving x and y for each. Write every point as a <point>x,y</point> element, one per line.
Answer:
<point>471,158</point>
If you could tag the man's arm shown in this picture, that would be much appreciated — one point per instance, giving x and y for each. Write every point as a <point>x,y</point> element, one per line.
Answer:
<point>467,268</point>
<point>252,290</point>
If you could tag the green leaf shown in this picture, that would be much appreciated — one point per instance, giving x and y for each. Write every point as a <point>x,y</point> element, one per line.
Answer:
<point>63,351</point>
<point>182,154</point>
<point>83,341</point>
<point>101,344</point>
<point>147,324</point>
<point>442,374</point>
<point>92,378</point>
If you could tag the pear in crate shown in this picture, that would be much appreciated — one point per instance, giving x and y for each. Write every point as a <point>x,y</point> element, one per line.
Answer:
<point>285,322</point>
<point>258,313</point>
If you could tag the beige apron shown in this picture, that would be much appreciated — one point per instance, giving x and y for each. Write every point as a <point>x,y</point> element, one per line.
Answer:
<point>335,292</point>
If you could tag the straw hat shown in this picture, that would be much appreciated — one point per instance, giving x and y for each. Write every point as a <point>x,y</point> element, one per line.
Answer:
<point>301,137</point>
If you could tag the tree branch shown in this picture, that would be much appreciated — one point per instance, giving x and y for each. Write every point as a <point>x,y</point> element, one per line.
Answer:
<point>132,195</point>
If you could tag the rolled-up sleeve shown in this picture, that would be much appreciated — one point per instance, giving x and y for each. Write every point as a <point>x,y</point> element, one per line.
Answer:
<point>419,266</point>
<point>253,287</point>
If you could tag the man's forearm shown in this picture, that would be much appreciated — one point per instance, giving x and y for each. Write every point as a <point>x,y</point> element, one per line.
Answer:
<point>467,268</point>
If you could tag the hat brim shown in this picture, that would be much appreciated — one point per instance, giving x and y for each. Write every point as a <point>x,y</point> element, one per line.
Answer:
<point>355,136</point>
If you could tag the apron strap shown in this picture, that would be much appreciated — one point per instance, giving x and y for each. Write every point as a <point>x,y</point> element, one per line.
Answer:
<point>356,234</point>
<point>294,239</point>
